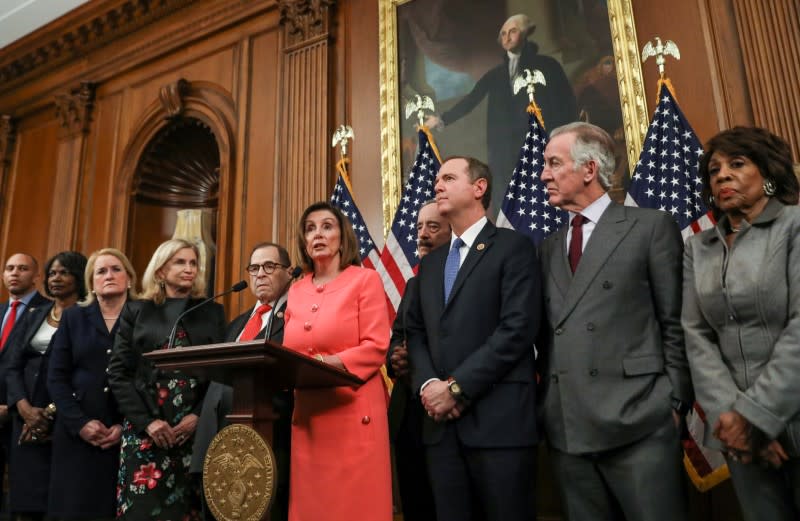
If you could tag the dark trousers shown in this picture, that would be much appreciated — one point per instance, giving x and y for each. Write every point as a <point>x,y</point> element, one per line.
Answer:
<point>643,481</point>
<point>765,492</point>
<point>412,470</point>
<point>477,484</point>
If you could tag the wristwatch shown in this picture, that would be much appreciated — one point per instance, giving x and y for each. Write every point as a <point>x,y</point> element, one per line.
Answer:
<point>455,389</point>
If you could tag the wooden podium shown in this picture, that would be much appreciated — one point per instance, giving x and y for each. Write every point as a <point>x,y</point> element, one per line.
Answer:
<point>255,370</point>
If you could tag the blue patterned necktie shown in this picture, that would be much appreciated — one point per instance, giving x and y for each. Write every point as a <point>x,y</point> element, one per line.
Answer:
<point>451,267</point>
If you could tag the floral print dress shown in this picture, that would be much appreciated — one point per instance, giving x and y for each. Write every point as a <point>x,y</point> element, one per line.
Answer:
<point>155,483</point>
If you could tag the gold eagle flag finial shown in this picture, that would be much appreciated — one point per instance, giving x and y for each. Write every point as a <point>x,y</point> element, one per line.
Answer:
<point>658,49</point>
<point>419,105</point>
<point>528,79</point>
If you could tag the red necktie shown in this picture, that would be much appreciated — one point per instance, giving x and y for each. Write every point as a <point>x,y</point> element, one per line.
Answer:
<point>576,242</point>
<point>12,317</point>
<point>253,325</point>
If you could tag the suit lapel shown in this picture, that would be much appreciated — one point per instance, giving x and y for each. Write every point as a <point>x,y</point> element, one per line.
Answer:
<point>37,316</point>
<point>277,323</point>
<point>433,286</point>
<point>96,317</point>
<point>609,231</point>
<point>479,247</point>
<point>559,264</point>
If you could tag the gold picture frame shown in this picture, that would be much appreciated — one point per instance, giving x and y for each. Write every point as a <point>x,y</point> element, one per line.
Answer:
<point>629,79</point>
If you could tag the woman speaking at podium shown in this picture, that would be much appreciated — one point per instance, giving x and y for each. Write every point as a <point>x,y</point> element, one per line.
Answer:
<point>161,408</point>
<point>340,441</point>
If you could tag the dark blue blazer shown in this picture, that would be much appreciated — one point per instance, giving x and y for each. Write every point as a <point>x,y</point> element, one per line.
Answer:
<point>483,337</point>
<point>78,384</point>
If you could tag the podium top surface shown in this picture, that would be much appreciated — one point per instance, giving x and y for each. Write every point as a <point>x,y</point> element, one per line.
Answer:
<point>277,365</point>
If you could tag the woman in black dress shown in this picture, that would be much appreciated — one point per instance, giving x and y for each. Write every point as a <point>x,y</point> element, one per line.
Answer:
<point>161,408</point>
<point>29,458</point>
<point>88,424</point>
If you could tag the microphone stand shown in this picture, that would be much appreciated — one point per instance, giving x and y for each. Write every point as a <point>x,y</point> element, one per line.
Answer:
<point>239,286</point>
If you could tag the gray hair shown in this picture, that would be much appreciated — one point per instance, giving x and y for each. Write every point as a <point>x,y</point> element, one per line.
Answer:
<point>592,143</point>
<point>522,21</point>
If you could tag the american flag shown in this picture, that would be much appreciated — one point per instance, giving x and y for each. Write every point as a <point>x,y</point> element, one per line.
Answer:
<point>666,178</point>
<point>400,256</point>
<point>666,174</point>
<point>342,198</point>
<point>525,207</point>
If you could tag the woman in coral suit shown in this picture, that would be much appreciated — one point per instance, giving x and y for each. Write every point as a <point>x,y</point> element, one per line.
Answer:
<point>340,441</point>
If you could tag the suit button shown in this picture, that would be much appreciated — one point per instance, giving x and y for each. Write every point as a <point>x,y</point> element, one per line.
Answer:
<point>731,317</point>
<point>365,420</point>
<point>314,308</point>
<point>108,370</point>
<point>105,389</point>
<point>554,378</point>
<point>607,284</point>
<point>559,331</point>
<point>590,326</point>
<point>307,326</point>
<point>593,372</point>
<point>108,351</point>
<point>74,395</point>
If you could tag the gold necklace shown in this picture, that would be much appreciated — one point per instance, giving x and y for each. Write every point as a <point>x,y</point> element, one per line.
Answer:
<point>53,315</point>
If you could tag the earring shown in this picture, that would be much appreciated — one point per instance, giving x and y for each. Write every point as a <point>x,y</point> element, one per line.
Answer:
<point>769,187</point>
<point>162,285</point>
<point>710,200</point>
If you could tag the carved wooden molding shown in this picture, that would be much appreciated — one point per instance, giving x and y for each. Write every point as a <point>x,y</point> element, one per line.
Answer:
<point>8,135</point>
<point>74,109</point>
<point>305,20</point>
<point>172,97</point>
<point>83,30</point>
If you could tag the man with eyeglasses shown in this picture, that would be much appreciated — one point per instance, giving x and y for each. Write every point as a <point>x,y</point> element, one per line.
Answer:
<point>270,271</point>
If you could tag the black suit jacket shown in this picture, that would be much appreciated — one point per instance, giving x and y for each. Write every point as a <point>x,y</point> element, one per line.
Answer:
<point>143,326</point>
<point>483,337</point>
<point>24,378</point>
<point>402,392</point>
<point>37,301</point>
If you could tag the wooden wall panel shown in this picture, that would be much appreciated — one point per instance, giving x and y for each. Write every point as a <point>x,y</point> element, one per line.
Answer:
<point>770,43</point>
<point>31,189</point>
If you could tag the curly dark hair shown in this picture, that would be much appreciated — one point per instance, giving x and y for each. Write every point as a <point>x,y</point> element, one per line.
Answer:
<point>770,153</point>
<point>75,264</point>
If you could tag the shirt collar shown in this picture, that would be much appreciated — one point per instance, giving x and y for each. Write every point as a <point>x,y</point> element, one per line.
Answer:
<point>471,233</point>
<point>594,211</point>
<point>25,299</point>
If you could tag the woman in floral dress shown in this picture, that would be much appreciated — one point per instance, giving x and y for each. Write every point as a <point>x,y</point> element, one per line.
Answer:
<point>161,407</point>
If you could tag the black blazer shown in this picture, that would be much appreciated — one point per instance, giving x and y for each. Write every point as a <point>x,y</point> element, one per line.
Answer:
<point>38,300</point>
<point>24,379</point>
<point>402,393</point>
<point>483,337</point>
<point>144,325</point>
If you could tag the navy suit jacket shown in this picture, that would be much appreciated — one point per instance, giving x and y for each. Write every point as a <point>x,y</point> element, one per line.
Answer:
<point>483,337</point>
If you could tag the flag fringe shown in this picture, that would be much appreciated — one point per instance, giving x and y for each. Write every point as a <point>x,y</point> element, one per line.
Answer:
<point>341,167</point>
<point>707,482</point>
<point>533,108</point>
<point>432,142</point>
<point>663,80</point>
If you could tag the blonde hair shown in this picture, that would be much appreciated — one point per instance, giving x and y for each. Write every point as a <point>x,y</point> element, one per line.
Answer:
<point>153,286</point>
<point>89,273</point>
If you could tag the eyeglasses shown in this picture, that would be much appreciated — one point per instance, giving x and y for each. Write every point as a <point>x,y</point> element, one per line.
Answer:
<point>269,268</point>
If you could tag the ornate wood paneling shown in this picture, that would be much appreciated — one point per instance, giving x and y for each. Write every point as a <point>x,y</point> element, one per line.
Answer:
<point>8,135</point>
<point>305,124</point>
<point>770,42</point>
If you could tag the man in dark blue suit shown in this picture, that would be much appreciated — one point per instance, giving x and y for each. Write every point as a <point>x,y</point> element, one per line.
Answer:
<point>405,412</point>
<point>471,328</point>
<point>20,274</point>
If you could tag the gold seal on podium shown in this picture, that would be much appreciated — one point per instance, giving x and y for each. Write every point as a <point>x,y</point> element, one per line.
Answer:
<point>239,475</point>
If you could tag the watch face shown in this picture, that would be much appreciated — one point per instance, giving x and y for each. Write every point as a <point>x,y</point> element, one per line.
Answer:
<point>455,388</point>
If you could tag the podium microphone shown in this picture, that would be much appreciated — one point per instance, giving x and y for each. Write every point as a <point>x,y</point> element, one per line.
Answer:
<point>296,272</point>
<point>239,286</point>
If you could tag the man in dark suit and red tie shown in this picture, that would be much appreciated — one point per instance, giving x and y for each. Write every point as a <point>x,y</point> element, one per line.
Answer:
<point>270,272</point>
<point>20,275</point>
<point>613,366</point>
<point>471,328</point>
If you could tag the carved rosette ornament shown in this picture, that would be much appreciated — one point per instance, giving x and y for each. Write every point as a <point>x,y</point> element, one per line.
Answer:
<point>171,97</point>
<point>74,109</point>
<point>305,20</point>
<point>8,134</point>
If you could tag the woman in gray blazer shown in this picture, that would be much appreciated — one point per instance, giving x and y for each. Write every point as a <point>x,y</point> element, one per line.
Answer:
<point>741,316</point>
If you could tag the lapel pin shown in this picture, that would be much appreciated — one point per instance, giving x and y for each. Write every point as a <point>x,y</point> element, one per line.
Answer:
<point>481,246</point>
<point>279,314</point>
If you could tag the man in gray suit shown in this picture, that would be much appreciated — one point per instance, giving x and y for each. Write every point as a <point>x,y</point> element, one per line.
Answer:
<point>612,359</point>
